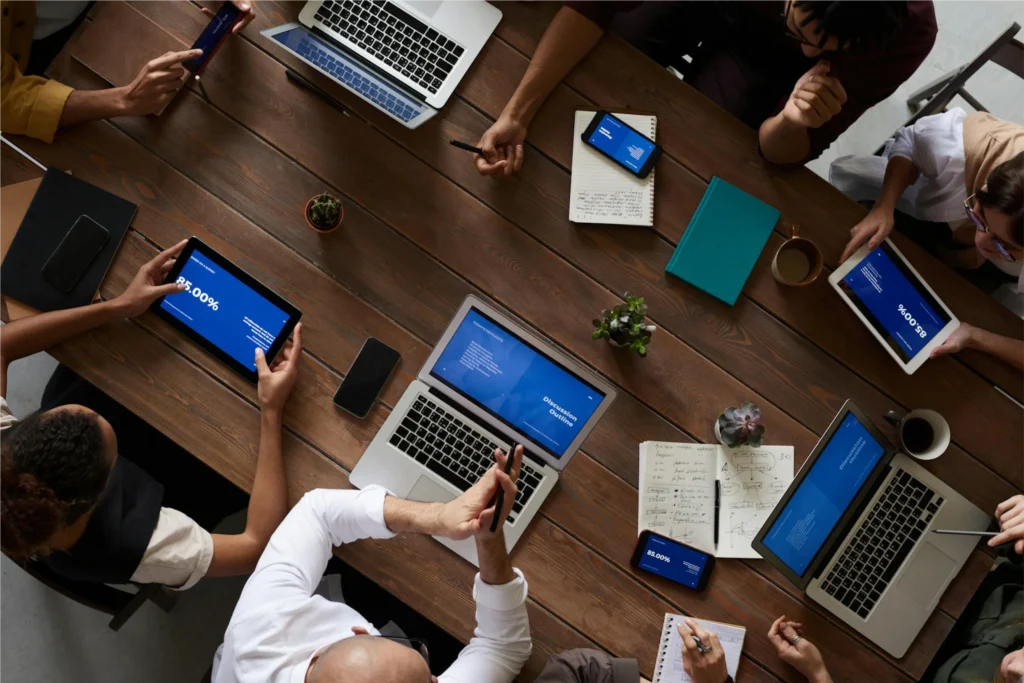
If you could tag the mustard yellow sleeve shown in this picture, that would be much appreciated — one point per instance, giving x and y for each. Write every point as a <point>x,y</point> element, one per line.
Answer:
<point>31,105</point>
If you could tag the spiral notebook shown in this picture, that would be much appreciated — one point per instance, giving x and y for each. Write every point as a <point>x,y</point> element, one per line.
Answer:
<point>600,191</point>
<point>669,666</point>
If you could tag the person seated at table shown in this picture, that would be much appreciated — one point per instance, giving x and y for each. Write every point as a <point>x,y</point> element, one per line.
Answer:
<point>34,33</point>
<point>281,632</point>
<point>954,183</point>
<point>71,499</point>
<point>799,72</point>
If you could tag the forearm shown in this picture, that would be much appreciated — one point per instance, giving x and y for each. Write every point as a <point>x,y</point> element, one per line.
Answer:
<point>1004,348</point>
<point>92,105</point>
<point>407,516</point>
<point>495,565</point>
<point>40,332</point>
<point>900,173</point>
<point>782,141</point>
<point>567,40</point>
<point>268,502</point>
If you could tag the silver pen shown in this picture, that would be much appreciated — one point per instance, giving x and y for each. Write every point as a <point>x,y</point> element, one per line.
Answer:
<point>955,532</point>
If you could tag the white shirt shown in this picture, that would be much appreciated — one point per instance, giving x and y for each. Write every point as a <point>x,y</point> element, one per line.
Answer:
<point>279,624</point>
<point>179,551</point>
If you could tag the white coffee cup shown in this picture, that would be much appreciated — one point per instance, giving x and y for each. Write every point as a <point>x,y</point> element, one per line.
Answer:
<point>913,440</point>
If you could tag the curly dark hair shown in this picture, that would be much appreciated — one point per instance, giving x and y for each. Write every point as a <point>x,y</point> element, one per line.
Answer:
<point>53,469</point>
<point>1004,191</point>
<point>854,23</point>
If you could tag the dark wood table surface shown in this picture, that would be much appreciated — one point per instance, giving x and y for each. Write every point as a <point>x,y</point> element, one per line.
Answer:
<point>422,230</point>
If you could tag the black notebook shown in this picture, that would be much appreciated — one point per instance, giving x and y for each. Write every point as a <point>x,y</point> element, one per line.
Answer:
<point>58,203</point>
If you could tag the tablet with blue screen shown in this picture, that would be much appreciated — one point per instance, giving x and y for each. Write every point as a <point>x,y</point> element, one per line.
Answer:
<point>225,310</point>
<point>895,304</point>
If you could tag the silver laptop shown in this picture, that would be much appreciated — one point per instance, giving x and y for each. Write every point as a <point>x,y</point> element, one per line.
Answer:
<point>404,57</point>
<point>853,531</point>
<point>489,383</point>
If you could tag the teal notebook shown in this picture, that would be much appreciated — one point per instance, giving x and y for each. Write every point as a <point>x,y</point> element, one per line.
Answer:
<point>721,244</point>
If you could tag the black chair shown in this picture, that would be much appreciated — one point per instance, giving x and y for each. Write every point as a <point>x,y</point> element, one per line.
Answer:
<point>118,603</point>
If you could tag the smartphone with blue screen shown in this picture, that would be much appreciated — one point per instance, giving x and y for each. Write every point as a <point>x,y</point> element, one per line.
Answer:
<point>673,560</point>
<point>624,145</point>
<point>212,36</point>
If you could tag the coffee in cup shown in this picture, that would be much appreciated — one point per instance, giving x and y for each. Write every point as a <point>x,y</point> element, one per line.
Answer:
<point>798,261</point>
<point>924,434</point>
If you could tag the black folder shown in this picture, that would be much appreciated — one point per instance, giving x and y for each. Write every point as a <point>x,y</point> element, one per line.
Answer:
<point>60,200</point>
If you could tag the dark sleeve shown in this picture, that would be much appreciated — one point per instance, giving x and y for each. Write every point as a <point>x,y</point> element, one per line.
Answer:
<point>602,13</point>
<point>589,666</point>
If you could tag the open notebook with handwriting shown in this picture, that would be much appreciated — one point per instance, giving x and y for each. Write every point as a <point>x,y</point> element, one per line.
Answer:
<point>669,666</point>
<point>708,495</point>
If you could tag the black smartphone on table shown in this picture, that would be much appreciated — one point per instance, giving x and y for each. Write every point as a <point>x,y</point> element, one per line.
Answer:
<point>75,254</point>
<point>367,376</point>
<point>673,560</point>
<point>213,35</point>
<point>623,144</point>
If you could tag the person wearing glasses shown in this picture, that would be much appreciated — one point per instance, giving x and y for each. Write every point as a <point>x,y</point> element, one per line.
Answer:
<point>280,632</point>
<point>953,182</point>
<point>800,72</point>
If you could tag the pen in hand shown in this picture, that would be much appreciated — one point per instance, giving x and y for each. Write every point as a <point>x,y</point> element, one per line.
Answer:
<point>499,498</point>
<point>465,146</point>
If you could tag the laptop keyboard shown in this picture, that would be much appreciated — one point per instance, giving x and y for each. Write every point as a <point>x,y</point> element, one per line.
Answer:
<point>436,437</point>
<point>882,543</point>
<point>371,90</point>
<point>395,37</point>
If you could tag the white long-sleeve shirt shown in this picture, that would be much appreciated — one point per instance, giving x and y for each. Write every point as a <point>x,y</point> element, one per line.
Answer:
<point>279,625</point>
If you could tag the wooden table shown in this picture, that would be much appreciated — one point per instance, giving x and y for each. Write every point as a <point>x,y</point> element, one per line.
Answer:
<point>422,230</point>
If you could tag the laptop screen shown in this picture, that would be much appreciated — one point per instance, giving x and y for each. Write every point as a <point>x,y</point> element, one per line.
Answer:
<point>814,508</point>
<point>522,387</point>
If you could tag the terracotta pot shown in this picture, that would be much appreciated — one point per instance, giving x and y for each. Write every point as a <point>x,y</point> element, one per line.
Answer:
<point>341,217</point>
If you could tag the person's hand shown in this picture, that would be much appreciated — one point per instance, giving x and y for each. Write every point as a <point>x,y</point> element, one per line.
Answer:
<point>1012,667</point>
<point>815,99</point>
<point>148,285</point>
<point>503,148</point>
<point>958,341</point>
<point>248,14</point>
<point>873,228</point>
<point>707,667</point>
<point>277,380</point>
<point>1010,514</point>
<point>155,85</point>
<point>795,650</point>
<point>471,513</point>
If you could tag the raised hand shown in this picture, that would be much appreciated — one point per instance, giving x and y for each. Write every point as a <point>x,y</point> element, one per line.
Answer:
<point>702,667</point>
<point>248,14</point>
<point>148,285</point>
<point>816,98</point>
<point>277,380</point>
<point>1010,514</point>
<point>156,84</point>
<point>873,229</point>
<point>471,513</point>
<point>503,148</point>
<point>795,650</point>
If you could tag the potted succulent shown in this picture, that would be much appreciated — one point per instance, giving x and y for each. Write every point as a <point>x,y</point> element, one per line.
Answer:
<point>625,325</point>
<point>324,213</point>
<point>740,426</point>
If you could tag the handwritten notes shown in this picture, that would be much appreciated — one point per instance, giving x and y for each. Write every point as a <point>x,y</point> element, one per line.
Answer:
<point>669,666</point>
<point>602,192</point>
<point>752,481</point>
<point>677,492</point>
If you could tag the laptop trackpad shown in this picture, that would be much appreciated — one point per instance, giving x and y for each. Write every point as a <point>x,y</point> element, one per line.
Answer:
<point>426,491</point>
<point>931,567</point>
<point>425,7</point>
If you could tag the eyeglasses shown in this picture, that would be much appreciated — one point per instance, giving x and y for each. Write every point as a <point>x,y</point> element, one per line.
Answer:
<point>794,35</point>
<point>418,644</point>
<point>1000,245</point>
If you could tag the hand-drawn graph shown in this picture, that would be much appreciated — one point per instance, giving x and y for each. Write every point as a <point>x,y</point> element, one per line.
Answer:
<point>752,482</point>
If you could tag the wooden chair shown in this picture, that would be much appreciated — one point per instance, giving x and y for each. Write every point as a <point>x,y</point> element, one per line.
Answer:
<point>118,603</point>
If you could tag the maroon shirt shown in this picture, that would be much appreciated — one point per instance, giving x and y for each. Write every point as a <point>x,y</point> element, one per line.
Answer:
<point>748,66</point>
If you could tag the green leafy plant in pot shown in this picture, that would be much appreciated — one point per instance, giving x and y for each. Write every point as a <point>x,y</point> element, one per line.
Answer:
<point>626,325</point>
<point>324,213</point>
<point>740,426</point>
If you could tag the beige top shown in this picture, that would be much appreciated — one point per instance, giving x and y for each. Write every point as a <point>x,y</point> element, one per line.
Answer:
<point>988,142</point>
<point>179,551</point>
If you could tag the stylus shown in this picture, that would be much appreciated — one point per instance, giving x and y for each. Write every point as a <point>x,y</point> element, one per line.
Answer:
<point>499,499</point>
<point>955,532</point>
<point>462,145</point>
<point>315,89</point>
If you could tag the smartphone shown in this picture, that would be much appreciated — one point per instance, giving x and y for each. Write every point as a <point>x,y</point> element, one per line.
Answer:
<point>75,254</point>
<point>624,145</point>
<point>213,35</point>
<point>673,560</point>
<point>367,376</point>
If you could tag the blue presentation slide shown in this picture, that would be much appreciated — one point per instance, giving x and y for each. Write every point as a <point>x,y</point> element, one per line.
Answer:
<point>224,310</point>
<point>622,143</point>
<point>835,478</point>
<point>906,317</point>
<point>673,561</point>
<point>523,387</point>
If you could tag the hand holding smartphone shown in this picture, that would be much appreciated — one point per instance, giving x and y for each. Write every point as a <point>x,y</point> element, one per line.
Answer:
<point>213,36</point>
<point>673,560</point>
<point>621,143</point>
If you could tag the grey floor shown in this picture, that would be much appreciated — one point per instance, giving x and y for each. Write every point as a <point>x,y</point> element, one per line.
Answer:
<point>45,638</point>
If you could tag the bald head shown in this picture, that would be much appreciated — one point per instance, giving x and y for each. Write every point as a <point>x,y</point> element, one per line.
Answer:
<point>367,659</point>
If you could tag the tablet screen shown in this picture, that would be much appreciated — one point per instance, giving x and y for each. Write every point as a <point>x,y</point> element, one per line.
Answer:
<point>224,310</point>
<point>895,302</point>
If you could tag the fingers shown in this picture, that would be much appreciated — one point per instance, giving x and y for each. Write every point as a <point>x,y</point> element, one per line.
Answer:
<point>248,14</point>
<point>815,103</point>
<point>261,364</point>
<point>170,288</point>
<point>295,350</point>
<point>1019,547</point>
<point>828,87</point>
<point>852,246</point>
<point>698,630</point>
<point>941,350</point>
<point>1009,504</point>
<point>518,163</point>
<point>169,59</point>
<point>687,635</point>
<point>1006,536</point>
<point>774,630</point>
<point>166,268</point>
<point>158,261</point>
<point>510,493</point>
<point>488,168</point>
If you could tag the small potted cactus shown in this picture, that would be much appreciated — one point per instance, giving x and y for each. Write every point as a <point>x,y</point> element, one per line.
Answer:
<point>740,426</point>
<point>324,213</point>
<point>626,325</point>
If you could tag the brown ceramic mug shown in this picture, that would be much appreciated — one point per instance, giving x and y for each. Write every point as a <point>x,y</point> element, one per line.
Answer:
<point>798,261</point>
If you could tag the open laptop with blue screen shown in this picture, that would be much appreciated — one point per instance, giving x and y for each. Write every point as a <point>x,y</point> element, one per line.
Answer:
<point>405,57</point>
<point>489,383</point>
<point>853,532</point>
